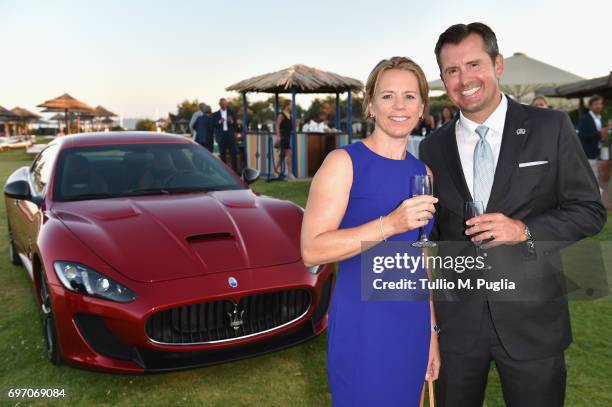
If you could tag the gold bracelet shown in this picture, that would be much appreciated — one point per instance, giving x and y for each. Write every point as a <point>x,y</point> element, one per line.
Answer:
<point>382,232</point>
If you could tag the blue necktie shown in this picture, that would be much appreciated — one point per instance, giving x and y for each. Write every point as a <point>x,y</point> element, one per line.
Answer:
<point>484,169</point>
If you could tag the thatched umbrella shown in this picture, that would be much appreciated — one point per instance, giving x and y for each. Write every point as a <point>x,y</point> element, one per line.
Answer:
<point>7,116</point>
<point>66,103</point>
<point>100,111</point>
<point>522,75</point>
<point>299,79</point>
<point>105,113</point>
<point>25,116</point>
<point>60,118</point>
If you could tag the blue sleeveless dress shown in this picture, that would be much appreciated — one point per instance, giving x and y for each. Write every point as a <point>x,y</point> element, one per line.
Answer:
<point>377,349</point>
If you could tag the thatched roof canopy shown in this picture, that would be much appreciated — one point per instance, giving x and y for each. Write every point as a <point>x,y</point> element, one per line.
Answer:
<point>103,112</point>
<point>25,114</point>
<point>58,116</point>
<point>601,86</point>
<point>304,78</point>
<point>71,115</point>
<point>6,114</point>
<point>66,102</point>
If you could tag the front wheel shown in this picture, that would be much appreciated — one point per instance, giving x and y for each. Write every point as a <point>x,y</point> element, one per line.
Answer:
<point>48,323</point>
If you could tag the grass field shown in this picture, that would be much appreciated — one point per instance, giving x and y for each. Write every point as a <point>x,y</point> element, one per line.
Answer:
<point>293,377</point>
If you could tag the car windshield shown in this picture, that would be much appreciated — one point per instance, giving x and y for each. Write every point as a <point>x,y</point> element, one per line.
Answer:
<point>144,169</point>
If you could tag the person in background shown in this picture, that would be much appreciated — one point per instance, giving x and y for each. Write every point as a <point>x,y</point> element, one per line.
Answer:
<point>427,124</point>
<point>283,140</point>
<point>591,131</point>
<point>446,115</point>
<point>540,101</point>
<point>194,117</point>
<point>204,131</point>
<point>224,122</point>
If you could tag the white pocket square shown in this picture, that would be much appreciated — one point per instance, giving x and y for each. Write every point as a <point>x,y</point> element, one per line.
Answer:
<point>532,163</point>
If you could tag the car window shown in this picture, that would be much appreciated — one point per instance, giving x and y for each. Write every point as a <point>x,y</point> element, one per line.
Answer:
<point>40,172</point>
<point>126,170</point>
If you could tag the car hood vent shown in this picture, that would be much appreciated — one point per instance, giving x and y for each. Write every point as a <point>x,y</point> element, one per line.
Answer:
<point>209,236</point>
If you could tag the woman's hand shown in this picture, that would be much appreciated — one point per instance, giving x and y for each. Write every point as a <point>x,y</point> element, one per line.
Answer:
<point>433,364</point>
<point>412,214</point>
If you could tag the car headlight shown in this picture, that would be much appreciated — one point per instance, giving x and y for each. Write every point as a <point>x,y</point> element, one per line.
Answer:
<point>315,269</point>
<point>81,279</point>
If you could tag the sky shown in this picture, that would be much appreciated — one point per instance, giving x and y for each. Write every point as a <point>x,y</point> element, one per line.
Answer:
<point>142,58</point>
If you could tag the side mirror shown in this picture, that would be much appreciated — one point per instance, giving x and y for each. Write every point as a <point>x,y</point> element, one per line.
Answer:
<point>18,190</point>
<point>250,175</point>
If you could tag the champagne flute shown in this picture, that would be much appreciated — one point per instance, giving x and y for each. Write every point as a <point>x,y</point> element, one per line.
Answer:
<point>472,209</point>
<point>421,185</point>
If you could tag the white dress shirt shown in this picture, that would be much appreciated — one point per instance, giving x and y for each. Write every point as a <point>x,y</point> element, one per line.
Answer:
<point>597,119</point>
<point>467,138</point>
<point>224,117</point>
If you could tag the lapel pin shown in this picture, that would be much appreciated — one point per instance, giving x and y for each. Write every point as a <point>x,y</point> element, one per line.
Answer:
<point>520,131</point>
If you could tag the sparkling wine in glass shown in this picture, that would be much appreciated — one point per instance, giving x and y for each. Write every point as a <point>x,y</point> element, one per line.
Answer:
<point>421,185</point>
<point>472,209</point>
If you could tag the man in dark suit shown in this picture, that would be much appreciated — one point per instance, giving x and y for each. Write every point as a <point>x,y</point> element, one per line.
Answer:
<point>526,165</point>
<point>203,128</point>
<point>591,130</point>
<point>224,121</point>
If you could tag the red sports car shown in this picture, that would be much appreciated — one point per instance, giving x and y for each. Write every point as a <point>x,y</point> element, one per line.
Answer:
<point>146,253</point>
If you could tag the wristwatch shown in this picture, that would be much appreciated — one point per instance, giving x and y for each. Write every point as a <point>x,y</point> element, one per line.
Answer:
<point>435,328</point>
<point>530,243</point>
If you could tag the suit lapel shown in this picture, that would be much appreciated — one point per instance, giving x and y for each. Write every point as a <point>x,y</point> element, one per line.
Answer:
<point>451,154</point>
<point>515,135</point>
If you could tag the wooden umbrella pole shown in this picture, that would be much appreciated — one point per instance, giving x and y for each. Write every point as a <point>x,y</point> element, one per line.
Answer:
<point>66,122</point>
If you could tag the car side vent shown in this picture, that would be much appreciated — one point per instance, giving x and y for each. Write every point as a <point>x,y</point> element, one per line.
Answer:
<point>210,236</point>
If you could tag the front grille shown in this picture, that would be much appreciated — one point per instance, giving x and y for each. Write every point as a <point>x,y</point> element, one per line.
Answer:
<point>220,320</point>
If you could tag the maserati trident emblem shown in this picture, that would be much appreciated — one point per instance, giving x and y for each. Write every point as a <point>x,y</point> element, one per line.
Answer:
<point>232,282</point>
<point>520,131</point>
<point>235,318</point>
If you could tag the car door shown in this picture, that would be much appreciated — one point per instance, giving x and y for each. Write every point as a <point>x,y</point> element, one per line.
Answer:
<point>14,215</point>
<point>29,210</point>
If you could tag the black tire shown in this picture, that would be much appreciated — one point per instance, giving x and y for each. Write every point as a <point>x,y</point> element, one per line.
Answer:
<point>52,348</point>
<point>13,250</point>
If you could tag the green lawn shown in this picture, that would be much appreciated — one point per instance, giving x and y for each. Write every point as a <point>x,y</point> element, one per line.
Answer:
<point>295,377</point>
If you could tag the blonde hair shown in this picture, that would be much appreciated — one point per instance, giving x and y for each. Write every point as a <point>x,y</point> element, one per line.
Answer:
<point>403,63</point>
<point>539,97</point>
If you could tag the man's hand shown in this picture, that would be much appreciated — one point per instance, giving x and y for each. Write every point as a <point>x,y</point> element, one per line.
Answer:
<point>497,228</point>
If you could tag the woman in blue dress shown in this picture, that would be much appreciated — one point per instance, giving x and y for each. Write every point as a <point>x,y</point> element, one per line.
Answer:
<point>380,350</point>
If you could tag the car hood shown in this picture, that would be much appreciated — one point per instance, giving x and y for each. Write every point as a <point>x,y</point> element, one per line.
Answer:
<point>163,237</point>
